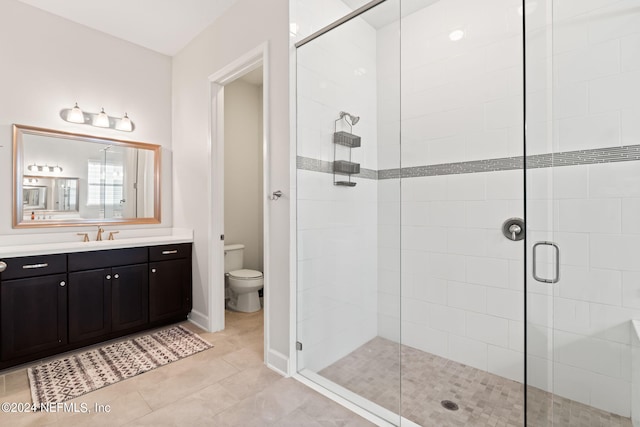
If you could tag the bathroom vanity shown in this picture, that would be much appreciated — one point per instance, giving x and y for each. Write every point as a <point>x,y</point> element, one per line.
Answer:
<point>54,302</point>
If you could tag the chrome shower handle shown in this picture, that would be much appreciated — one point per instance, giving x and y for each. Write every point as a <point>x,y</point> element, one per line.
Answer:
<point>556,277</point>
<point>514,229</point>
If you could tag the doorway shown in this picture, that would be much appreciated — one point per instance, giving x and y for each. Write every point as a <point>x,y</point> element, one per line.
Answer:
<point>239,176</point>
<point>243,211</point>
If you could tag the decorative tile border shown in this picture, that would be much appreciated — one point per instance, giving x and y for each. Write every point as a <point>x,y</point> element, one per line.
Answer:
<point>315,165</point>
<point>568,158</point>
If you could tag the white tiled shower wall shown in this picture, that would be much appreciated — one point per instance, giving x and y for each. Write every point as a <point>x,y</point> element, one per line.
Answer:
<point>461,293</point>
<point>337,226</point>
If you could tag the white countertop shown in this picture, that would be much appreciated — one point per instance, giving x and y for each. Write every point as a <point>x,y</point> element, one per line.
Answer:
<point>128,239</point>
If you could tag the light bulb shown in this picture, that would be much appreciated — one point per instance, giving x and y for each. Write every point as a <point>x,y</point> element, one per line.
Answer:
<point>456,35</point>
<point>75,115</point>
<point>101,120</point>
<point>125,124</point>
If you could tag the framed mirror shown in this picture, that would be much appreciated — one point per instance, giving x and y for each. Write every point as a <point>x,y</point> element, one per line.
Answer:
<point>67,179</point>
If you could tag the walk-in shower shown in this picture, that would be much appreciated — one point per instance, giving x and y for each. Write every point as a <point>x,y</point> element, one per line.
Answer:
<point>481,272</point>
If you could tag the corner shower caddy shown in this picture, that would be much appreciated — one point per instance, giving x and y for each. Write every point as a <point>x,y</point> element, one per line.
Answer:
<point>344,167</point>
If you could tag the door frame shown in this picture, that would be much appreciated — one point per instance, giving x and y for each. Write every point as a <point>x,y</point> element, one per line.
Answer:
<point>259,56</point>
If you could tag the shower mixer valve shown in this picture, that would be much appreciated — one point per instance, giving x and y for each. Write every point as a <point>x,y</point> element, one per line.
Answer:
<point>513,229</point>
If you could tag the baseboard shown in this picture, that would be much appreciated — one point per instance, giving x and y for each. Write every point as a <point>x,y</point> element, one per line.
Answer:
<point>278,362</point>
<point>199,319</point>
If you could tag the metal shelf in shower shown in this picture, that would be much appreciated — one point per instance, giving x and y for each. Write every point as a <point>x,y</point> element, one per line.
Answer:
<point>344,167</point>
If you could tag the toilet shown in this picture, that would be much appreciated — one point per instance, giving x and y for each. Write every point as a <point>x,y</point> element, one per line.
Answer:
<point>243,284</point>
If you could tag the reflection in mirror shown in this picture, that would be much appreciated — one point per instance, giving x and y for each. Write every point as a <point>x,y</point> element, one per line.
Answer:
<point>52,194</point>
<point>71,179</point>
<point>34,198</point>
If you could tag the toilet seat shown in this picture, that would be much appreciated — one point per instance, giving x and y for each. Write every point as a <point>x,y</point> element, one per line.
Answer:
<point>245,274</point>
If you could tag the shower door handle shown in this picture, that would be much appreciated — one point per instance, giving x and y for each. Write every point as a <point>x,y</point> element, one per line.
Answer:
<point>556,276</point>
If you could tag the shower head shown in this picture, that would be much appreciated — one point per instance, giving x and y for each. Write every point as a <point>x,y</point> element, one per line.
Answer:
<point>354,119</point>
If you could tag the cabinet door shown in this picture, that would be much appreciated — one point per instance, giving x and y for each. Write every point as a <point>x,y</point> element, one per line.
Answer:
<point>129,296</point>
<point>169,289</point>
<point>33,315</point>
<point>89,304</point>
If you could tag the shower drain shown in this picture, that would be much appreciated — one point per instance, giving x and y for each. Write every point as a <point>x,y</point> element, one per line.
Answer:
<point>451,406</point>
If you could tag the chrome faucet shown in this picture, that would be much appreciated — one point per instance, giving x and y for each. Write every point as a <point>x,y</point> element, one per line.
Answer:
<point>100,231</point>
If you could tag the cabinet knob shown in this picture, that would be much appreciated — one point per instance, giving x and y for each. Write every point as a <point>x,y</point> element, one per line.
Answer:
<point>153,270</point>
<point>108,277</point>
<point>63,284</point>
<point>116,276</point>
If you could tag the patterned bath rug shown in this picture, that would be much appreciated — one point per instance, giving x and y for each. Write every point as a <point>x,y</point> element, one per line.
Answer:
<point>72,376</point>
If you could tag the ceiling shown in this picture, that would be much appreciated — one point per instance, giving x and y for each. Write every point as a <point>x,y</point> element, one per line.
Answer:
<point>389,11</point>
<point>165,26</point>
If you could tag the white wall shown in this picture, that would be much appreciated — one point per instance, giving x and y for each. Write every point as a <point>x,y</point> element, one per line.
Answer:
<point>46,71</point>
<point>243,27</point>
<point>337,226</point>
<point>243,170</point>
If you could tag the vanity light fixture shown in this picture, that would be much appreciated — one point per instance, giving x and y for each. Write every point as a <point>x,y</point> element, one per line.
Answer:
<point>75,115</point>
<point>101,119</point>
<point>44,168</point>
<point>125,124</point>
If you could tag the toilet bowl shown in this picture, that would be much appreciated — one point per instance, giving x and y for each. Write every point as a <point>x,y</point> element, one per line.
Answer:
<point>244,286</point>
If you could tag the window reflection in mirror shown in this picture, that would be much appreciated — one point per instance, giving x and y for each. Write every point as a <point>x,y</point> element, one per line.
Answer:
<point>71,179</point>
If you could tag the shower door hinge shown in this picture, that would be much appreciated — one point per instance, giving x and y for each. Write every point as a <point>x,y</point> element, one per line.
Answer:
<point>298,346</point>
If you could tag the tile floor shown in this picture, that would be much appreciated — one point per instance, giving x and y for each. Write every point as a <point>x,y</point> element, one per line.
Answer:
<point>227,385</point>
<point>484,399</point>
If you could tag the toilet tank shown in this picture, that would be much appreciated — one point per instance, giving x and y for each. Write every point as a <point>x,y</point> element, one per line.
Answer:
<point>233,257</point>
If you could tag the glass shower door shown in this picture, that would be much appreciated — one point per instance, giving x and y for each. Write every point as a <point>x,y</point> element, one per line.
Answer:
<point>583,179</point>
<point>462,213</point>
<point>348,281</point>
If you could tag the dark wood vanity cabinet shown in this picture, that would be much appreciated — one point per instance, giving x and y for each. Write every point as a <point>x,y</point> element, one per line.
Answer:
<point>61,302</point>
<point>89,305</point>
<point>169,281</point>
<point>33,306</point>
<point>129,297</point>
<point>106,294</point>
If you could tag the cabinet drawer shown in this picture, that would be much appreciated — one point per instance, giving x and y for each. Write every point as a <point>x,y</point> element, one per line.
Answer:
<point>32,266</point>
<point>104,259</point>
<point>164,252</point>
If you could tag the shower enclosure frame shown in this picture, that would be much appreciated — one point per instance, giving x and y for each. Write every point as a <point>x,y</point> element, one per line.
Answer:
<point>528,164</point>
<point>354,402</point>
